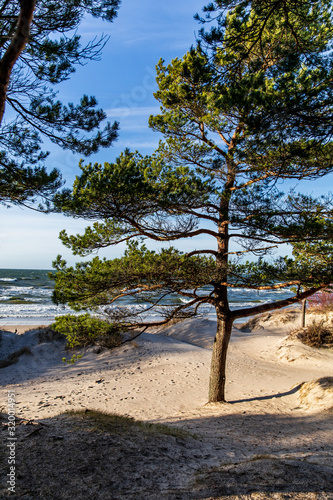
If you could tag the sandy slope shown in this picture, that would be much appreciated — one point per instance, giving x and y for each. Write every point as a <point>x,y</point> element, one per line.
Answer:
<point>164,378</point>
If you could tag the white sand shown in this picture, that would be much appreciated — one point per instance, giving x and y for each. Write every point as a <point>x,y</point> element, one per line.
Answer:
<point>164,378</point>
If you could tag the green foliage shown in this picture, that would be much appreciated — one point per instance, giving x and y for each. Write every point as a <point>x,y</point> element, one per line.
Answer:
<point>284,36</point>
<point>141,274</point>
<point>73,359</point>
<point>229,143</point>
<point>245,115</point>
<point>98,236</point>
<point>290,17</point>
<point>53,50</point>
<point>85,330</point>
<point>133,186</point>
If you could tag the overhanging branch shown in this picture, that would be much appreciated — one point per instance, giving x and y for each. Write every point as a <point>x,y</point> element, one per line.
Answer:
<point>15,48</point>
<point>251,311</point>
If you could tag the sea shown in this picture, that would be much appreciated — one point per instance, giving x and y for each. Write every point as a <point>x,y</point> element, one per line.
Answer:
<point>26,298</point>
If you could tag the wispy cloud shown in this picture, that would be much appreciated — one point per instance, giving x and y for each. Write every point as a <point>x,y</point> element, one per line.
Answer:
<point>125,112</point>
<point>134,128</point>
<point>137,144</point>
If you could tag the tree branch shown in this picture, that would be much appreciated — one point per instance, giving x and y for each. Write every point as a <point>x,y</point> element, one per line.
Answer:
<point>251,311</point>
<point>197,252</point>
<point>252,181</point>
<point>252,250</point>
<point>15,48</point>
<point>170,237</point>
<point>209,143</point>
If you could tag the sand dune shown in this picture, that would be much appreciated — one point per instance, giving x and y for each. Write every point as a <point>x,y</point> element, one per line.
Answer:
<point>274,408</point>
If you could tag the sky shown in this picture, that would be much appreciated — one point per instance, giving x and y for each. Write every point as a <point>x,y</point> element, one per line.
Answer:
<point>123,82</point>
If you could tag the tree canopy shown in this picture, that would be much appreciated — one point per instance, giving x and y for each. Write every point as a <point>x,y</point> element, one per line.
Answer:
<point>289,18</point>
<point>40,48</point>
<point>274,31</point>
<point>222,171</point>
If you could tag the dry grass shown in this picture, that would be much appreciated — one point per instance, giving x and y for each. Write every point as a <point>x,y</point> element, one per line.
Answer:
<point>317,334</point>
<point>317,394</point>
<point>14,357</point>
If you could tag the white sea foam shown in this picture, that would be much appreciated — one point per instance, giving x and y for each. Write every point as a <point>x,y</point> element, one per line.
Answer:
<point>33,293</point>
<point>36,291</point>
<point>32,310</point>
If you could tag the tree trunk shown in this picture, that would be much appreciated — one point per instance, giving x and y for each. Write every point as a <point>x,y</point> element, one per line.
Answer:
<point>224,318</point>
<point>219,356</point>
<point>15,48</point>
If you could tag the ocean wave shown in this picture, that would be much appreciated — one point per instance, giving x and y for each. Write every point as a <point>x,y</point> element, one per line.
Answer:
<point>20,289</point>
<point>31,310</point>
<point>258,292</point>
<point>8,279</point>
<point>27,290</point>
<point>241,305</point>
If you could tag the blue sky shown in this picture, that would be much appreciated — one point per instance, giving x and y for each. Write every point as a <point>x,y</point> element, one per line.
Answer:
<point>123,82</point>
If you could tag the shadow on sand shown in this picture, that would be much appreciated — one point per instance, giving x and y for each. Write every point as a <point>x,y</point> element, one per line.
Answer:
<point>271,396</point>
<point>278,457</point>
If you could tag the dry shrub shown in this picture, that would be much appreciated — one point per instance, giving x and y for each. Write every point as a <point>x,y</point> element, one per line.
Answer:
<point>317,334</point>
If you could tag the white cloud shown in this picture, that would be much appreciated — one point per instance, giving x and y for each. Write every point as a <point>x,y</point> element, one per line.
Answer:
<point>137,144</point>
<point>128,111</point>
<point>134,128</point>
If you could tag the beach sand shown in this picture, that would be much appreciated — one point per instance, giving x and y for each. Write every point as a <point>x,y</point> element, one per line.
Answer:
<point>269,423</point>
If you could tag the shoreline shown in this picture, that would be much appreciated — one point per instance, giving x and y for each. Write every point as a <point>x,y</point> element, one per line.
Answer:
<point>12,323</point>
<point>18,328</point>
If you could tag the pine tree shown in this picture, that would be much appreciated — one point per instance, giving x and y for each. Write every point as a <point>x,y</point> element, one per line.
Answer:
<point>224,172</point>
<point>39,48</point>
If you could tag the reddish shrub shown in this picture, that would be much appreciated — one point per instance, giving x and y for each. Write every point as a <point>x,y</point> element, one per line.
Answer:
<point>321,301</point>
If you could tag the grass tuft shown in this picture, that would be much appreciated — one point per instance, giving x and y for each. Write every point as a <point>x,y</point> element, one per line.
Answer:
<point>317,334</point>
